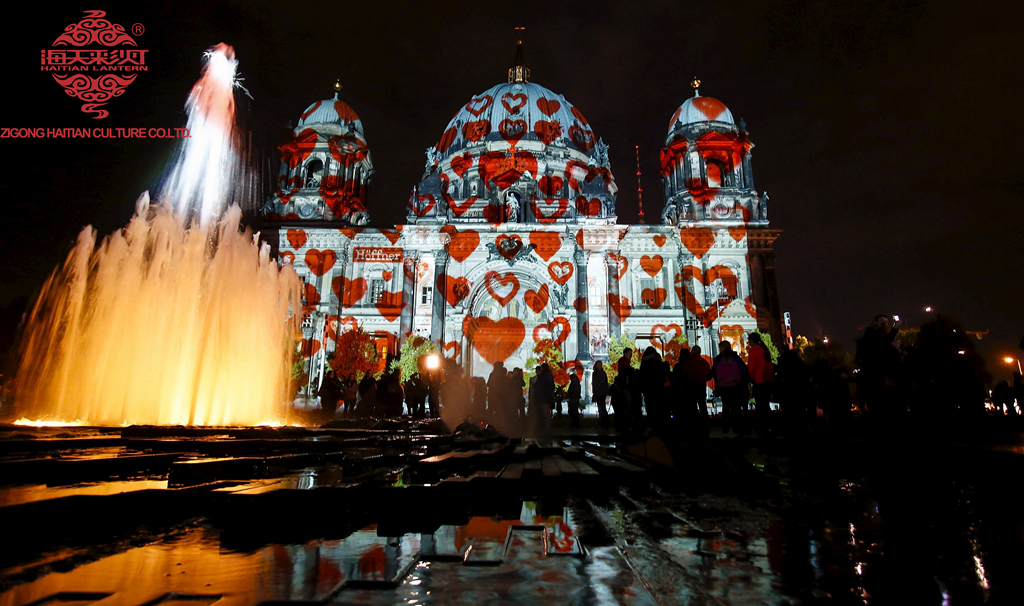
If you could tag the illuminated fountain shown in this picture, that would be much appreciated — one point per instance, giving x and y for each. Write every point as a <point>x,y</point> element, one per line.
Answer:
<point>182,317</point>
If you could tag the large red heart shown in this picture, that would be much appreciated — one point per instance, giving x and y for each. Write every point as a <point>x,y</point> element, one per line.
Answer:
<point>537,300</point>
<point>460,164</point>
<point>557,330</point>
<point>512,130</point>
<point>621,263</point>
<point>660,240</point>
<point>351,232</point>
<point>620,305</point>
<point>654,297</point>
<point>454,346</point>
<point>550,186</point>
<point>549,210</point>
<point>287,257</point>
<point>310,347</point>
<point>548,106</point>
<point>320,262</point>
<point>546,243</point>
<point>386,275</point>
<point>496,283</point>
<point>426,205</point>
<point>479,105</point>
<point>454,290</point>
<point>580,304</point>
<point>737,232</point>
<point>390,305</point>
<point>476,130</point>
<point>447,139</point>
<point>560,272</point>
<point>496,341</point>
<point>508,246</point>
<point>506,167</point>
<point>588,208</point>
<point>392,234</point>
<point>547,130</point>
<point>520,100</point>
<point>349,292</point>
<point>310,295</point>
<point>576,174</point>
<point>297,238</point>
<point>579,116</point>
<point>651,265</point>
<point>698,240</point>
<point>667,333</point>
<point>461,244</point>
<point>583,138</point>
<point>711,108</point>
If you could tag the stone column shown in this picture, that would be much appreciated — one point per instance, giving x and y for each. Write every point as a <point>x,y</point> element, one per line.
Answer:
<point>342,266</point>
<point>582,257</point>
<point>440,276</point>
<point>409,265</point>
<point>614,323</point>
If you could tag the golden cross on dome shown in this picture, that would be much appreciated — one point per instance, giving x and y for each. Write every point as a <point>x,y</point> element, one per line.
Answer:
<point>519,72</point>
<point>696,85</point>
<point>337,88</point>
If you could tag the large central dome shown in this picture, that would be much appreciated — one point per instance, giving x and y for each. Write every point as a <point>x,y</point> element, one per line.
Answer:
<point>514,112</point>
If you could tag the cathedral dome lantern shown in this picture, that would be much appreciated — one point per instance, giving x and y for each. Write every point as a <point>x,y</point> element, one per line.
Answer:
<point>517,152</point>
<point>325,167</point>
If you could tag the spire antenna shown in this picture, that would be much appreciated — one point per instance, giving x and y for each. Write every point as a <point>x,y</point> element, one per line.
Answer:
<point>519,72</point>
<point>639,189</point>
<point>337,89</point>
<point>696,86</point>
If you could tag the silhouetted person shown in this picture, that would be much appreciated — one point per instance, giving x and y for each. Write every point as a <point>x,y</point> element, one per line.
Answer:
<point>1002,397</point>
<point>762,376</point>
<point>792,386</point>
<point>516,386</point>
<point>544,397</point>
<point>731,379</point>
<point>329,392</point>
<point>478,387</point>
<point>349,394</point>
<point>624,389</point>
<point>695,372</point>
<point>652,385</point>
<point>390,393</point>
<point>497,389</point>
<point>369,404</point>
<point>879,359</point>
<point>599,389</point>
<point>572,397</point>
<point>416,396</point>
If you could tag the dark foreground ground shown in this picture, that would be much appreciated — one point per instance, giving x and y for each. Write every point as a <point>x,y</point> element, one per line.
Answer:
<point>408,513</point>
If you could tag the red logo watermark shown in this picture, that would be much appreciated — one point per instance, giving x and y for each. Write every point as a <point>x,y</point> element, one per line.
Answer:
<point>90,60</point>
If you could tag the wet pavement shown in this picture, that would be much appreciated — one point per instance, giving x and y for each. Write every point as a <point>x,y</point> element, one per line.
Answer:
<point>410,515</point>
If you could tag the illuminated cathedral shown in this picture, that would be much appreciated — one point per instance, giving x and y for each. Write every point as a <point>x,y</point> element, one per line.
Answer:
<point>512,235</point>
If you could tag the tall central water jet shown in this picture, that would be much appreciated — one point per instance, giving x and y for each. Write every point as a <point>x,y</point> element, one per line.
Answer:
<point>181,317</point>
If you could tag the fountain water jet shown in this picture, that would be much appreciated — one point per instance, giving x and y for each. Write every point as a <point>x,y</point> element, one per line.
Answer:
<point>181,317</point>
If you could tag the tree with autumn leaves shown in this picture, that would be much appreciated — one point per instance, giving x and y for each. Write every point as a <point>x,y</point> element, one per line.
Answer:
<point>547,352</point>
<point>356,354</point>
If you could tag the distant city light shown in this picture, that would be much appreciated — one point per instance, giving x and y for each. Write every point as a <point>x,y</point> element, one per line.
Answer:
<point>929,308</point>
<point>433,362</point>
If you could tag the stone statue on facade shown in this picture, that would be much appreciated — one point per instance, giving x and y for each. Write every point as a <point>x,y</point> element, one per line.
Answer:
<point>762,207</point>
<point>431,154</point>
<point>511,206</point>
<point>670,214</point>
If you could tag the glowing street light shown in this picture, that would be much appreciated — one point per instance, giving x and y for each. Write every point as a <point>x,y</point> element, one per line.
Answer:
<point>929,309</point>
<point>1011,360</point>
<point>433,362</point>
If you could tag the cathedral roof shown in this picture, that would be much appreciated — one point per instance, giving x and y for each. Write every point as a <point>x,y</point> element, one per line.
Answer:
<point>699,109</point>
<point>330,111</point>
<point>517,111</point>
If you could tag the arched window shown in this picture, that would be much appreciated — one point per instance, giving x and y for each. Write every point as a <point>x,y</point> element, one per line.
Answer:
<point>716,173</point>
<point>314,173</point>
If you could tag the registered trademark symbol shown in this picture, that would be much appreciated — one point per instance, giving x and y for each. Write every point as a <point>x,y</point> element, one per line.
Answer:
<point>138,30</point>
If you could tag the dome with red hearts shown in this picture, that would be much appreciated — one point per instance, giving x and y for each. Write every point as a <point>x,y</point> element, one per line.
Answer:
<point>700,110</point>
<point>330,111</point>
<point>514,112</point>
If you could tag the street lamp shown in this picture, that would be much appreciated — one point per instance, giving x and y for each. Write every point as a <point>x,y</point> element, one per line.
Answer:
<point>1011,360</point>
<point>929,309</point>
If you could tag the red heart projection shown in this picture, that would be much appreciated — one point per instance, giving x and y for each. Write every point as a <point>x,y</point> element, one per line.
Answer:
<point>737,232</point>
<point>387,275</point>
<point>550,186</point>
<point>390,305</point>
<point>460,209</point>
<point>351,232</point>
<point>622,263</point>
<point>512,130</point>
<point>537,300</point>
<point>580,304</point>
<point>579,237</point>
<point>496,341</point>
<point>549,210</point>
<point>287,257</point>
<point>547,130</point>
<point>460,164</point>
<point>454,289</point>
<point>660,240</point>
<point>496,283</point>
<point>506,167</point>
<point>698,240</point>
<point>651,265</point>
<point>297,238</point>
<point>320,262</point>
<point>479,105</point>
<point>557,330</point>
<point>579,116</point>
<point>425,206</point>
<point>546,243</point>
<point>509,246</point>
<point>560,272</point>
<point>392,234</point>
<point>586,330</point>
<point>667,333</point>
<point>711,108</point>
<point>310,347</point>
<point>451,346</point>
<point>751,308</point>
<point>492,213</point>
<point>583,138</point>
<point>346,324</point>
<point>700,191</point>
<point>461,243</point>
<point>620,305</point>
<point>548,106</point>
<point>575,367</point>
<point>576,174</point>
<point>476,130</point>
<point>349,292</point>
<point>519,101</point>
<point>447,139</point>
<point>588,208</point>
<point>409,268</point>
<point>654,297</point>
<point>310,298</point>
<point>718,272</point>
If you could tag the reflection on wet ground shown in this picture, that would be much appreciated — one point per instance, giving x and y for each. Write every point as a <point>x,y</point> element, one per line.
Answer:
<point>16,495</point>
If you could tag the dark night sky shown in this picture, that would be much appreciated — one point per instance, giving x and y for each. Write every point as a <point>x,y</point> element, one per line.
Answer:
<point>887,133</point>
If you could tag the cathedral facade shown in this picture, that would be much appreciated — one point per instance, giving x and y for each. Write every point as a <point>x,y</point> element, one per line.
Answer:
<point>512,235</point>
